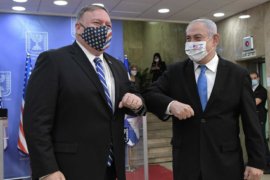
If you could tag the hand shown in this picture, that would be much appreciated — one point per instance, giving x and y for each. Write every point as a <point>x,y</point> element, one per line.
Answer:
<point>181,110</point>
<point>54,176</point>
<point>131,101</point>
<point>252,173</point>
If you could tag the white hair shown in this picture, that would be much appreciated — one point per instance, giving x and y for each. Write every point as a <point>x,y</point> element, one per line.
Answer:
<point>89,8</point>
<point>209,24</point>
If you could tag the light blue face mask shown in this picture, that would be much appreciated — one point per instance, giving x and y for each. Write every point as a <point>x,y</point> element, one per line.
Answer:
<point>255,82</point>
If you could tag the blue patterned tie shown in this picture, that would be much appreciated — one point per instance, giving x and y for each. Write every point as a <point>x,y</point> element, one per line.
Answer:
<point>101,76</point>
<point>202,86</point>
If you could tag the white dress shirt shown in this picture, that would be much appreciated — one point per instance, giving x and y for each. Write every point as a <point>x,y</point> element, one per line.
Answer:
<point>254,87</point>
<point>210,73</point>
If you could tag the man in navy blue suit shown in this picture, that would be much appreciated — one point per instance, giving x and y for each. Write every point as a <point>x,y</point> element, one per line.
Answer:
<point>75,104</point>
<point>205,95</point>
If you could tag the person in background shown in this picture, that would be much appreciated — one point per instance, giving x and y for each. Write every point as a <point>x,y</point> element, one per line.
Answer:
<point>158,67</point>
<point>205,95</point>
<point>260,94</point>
<point>134,76</point>
<point>75,104</point>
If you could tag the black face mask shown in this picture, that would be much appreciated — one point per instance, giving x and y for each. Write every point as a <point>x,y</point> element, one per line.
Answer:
<point>98,38</point>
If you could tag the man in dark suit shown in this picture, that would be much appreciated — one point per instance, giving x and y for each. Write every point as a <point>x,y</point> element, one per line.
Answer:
<point>205,96</point>
<point>75,104</point>
<point>260,94</point>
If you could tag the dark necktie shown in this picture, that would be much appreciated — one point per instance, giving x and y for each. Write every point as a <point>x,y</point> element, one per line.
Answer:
<point>202,86</point>
<point>101,76</point>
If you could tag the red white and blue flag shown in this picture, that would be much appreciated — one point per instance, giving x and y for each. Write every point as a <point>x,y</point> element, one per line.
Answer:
<point>22,146</point>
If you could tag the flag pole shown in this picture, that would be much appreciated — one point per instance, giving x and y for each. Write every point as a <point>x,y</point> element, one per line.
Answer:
<point>3,125</point>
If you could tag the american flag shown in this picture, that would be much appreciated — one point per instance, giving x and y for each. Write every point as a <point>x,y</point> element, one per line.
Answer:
<point>22,146</point>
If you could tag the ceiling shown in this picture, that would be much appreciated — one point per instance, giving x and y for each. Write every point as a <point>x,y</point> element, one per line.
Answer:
<point>180,10</point>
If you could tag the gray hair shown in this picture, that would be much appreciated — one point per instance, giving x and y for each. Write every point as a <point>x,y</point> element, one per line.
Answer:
<point>89,8</point>
<point>209,24</point>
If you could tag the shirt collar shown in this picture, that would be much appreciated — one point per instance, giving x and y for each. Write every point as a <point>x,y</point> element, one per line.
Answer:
<point>255,87</point>
<point>211,65</point>
<point>90,56</point>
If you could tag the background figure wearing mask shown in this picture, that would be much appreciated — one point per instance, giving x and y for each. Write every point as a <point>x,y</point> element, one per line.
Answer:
<point>134,76</point>
<point>205,95</point>
<point>260,94</point>
<point>158,67</point>
<point>75,104</point>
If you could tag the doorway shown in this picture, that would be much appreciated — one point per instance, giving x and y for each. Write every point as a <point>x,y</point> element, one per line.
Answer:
<point>258,65</point>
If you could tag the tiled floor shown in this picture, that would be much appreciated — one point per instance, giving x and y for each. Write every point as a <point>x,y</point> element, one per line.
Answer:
<point>169,166</point>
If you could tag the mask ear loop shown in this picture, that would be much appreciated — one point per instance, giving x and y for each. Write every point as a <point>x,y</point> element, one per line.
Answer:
<point>83,28</point>
<point>207,42</point>
<point>82,25</point>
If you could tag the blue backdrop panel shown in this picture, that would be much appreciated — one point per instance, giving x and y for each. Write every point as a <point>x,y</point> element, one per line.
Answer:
<point>22,34</point>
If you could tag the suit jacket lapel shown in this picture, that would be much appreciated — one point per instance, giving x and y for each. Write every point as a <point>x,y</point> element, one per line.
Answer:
<point>222,72</point>
<point>81,59</point>
<point>192,86</point>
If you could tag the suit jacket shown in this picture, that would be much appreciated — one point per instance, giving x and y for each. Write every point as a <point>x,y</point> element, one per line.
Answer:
<point>261,92</point>
<point>67,121</point>
<point>208,143</point>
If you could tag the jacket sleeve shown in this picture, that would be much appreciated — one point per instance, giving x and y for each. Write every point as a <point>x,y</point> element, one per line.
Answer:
<point>157,96</point>
<point>253,136</point>
<point>38,117</point>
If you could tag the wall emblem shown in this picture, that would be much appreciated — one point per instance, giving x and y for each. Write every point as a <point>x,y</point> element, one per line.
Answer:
<point>5,83</point>
<point>36,42</point>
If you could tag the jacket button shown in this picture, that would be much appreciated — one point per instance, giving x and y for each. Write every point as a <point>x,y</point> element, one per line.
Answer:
<point>203,120</point>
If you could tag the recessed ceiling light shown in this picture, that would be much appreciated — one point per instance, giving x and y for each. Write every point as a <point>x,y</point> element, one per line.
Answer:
<point>20,1</point>
<point>219,14</point>
<point>164,10</point>
<point>60,2</point>
<point>18,8</point>
<point>98,4</point>
<point>244,16</point>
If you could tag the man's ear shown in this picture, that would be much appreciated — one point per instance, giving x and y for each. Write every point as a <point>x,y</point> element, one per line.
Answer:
<point>77,26</point>
<point>216,38</point>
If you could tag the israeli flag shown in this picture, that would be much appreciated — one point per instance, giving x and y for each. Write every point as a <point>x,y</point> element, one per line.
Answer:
<point>132,125</point>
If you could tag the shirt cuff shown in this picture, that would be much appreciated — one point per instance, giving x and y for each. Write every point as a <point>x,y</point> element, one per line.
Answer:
<point>168,112</point>
<point>141,111</point>
<point>43,177</point>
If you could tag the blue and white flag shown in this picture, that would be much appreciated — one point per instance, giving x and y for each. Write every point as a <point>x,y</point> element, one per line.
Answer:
<point>1,100</point>
<point>126,63</point>
<point>132,126</point>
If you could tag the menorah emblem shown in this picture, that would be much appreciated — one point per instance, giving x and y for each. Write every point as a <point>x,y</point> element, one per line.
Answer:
<point>36,42</point>
<point>37,38</point>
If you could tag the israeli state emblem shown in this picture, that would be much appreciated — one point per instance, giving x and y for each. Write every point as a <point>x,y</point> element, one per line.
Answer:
<point>36,42</point>
<point>5,83</point>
